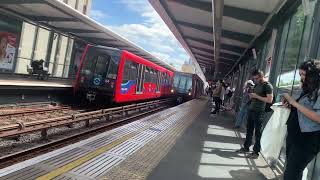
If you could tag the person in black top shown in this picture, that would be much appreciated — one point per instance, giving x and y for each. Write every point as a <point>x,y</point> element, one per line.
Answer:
<point>303,125</point>
<point>261,95</point>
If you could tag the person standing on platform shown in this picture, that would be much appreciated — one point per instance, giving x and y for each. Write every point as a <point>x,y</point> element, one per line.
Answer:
<point>262,94</point>
<point>303,125</point>
<point>216,95</point>
<point>242,115</point>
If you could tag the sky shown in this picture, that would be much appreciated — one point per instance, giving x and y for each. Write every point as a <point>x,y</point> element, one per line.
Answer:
<point>137,21</point>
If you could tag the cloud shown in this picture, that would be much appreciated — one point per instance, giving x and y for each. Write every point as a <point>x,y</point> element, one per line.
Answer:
<point>152,33</point>
<point>97,14</point>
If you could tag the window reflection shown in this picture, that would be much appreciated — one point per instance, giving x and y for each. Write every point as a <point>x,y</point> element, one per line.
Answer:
<point>286,79</point>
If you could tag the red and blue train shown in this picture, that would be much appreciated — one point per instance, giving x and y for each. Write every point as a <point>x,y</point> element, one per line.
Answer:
<point>106,73</point>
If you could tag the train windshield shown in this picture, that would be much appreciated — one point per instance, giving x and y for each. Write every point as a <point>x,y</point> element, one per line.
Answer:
<point>176,80</point>
<point>189,83</point>
<point>183,80</point>
<point>101,63</point>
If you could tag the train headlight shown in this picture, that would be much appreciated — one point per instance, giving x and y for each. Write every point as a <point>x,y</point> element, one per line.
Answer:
<point>189,94</point>
<point>172,90</point>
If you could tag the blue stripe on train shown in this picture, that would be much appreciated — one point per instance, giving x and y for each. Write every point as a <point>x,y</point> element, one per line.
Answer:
<point>125,88</point>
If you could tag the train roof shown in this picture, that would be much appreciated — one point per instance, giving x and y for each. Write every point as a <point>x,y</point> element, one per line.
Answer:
<point>146,61</point>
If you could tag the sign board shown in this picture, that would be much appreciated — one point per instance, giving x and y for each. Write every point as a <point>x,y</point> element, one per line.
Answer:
<point>8,45</point>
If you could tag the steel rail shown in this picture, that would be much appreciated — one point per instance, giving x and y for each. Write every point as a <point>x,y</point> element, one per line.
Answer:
<point>32,152</point>
<point>43,125</point>
<point>37,110</point>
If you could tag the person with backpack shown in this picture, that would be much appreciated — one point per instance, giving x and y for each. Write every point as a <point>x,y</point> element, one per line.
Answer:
<point>303,124</point>
<point>261,96</point>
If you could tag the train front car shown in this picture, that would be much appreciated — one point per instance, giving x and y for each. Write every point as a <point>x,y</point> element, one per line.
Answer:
<point>97,74</point>
<point>186,86</point>
<point>182,86</point>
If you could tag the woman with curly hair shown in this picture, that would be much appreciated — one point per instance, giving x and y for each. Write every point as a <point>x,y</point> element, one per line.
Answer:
<point>303,125</point>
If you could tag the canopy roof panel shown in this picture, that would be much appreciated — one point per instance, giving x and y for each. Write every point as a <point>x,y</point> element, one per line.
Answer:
<point>64,19</point>
<point>217,32</point>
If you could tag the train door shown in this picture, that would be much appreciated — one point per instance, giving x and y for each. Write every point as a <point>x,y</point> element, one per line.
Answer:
<point>140,79</point>
<point>158,81</point>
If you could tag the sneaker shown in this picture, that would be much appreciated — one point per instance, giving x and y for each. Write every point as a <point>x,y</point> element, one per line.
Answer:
<point>253,155</point>
<point>242,150</point>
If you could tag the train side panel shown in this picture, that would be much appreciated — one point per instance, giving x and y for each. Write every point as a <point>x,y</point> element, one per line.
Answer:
<point>128,89</point>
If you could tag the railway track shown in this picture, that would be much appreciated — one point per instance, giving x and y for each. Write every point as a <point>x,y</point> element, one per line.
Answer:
<point>29,114</point>
<point>113,117</point>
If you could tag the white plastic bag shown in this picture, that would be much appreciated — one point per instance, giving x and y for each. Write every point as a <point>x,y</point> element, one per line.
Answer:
<point>273,135</point>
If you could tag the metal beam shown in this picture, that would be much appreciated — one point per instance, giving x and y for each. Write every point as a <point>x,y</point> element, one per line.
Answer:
<point>195,26</point>
<point>217,12</point>
<point>204,58</point>
<point>50,19</point>
<point>205,6</point>
<point>212,62</point>
<point>229,56</point>
<point>207,42</point>
<point>72,30</point>
<point>207,56</point>
<point>227,59</point>
<point>237,36</point>
<point>233,48</point>
<point>100,39</point>
<point>202,49</point>
<point>256,17</point>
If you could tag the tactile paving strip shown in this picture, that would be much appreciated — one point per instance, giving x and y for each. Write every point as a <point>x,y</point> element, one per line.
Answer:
<point>141,163</point>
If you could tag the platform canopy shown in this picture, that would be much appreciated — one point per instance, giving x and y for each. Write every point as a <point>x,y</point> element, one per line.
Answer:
<point>62,18</point>
<point>217,33</point>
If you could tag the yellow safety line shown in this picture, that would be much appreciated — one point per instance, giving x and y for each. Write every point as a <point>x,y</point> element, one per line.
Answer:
<point>85,158</point>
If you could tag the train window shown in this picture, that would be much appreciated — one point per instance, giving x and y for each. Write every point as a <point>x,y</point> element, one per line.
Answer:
<point>182,83</point>
<point>147,75</point>
<point>134,71</point>
<point>153,75</point>
<point>176,80</point>
<point>126,72</point>
<point>189,83</point>
<point>130,72</point>
<point>113,70</point>
<point>102,64</point>
<point>88,66</point>
<point>158,80</point>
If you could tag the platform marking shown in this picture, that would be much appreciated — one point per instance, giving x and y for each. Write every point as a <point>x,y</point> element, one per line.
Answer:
<point>82,160</point>
<point>68,167</point>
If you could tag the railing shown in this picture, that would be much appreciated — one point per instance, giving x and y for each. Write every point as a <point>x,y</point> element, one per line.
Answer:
<point>107,114</point>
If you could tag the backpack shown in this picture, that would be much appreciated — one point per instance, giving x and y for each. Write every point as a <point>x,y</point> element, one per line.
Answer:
<point>230,93</point>
<point>268,105</point>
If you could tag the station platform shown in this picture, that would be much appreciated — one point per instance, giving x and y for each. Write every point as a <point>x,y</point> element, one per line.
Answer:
<point>182,142</point>
<point>31,82</point>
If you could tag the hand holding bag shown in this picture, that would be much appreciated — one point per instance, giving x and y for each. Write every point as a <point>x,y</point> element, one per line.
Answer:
<point>274,133</point>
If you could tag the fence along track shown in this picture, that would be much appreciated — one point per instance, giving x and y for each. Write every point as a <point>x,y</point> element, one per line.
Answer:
<point>151,107</point>
<point>43,125</point>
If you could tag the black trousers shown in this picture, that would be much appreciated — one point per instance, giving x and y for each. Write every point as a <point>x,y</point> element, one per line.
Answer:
<point>217,101</point>
<point>254,124</point>
<point>300,150</point>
